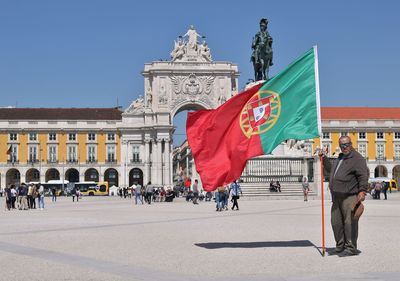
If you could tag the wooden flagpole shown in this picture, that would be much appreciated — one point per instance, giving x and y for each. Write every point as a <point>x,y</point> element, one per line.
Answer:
<point>322,204</point>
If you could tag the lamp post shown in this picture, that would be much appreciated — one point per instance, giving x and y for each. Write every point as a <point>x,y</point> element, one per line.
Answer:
<point>40,163</point>
<point>63,173</point>
<point>125,162</point>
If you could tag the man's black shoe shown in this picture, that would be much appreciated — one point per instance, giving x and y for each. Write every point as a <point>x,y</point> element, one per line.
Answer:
<point>347,253</point>
<point>335,251</point>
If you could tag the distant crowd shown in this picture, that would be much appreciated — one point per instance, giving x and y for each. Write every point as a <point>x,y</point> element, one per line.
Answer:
<point>24,197</point>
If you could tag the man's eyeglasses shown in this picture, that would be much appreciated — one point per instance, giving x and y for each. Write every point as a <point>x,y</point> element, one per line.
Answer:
<point>345,145</point>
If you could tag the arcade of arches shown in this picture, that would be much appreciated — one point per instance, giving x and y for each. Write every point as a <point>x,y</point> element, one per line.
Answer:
<point>111,175</point>
<point>13,176</point>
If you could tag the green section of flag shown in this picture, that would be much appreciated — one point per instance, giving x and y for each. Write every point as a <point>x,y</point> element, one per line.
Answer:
<point>297,90</point>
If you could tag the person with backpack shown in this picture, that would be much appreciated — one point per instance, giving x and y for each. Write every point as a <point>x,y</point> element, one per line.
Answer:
<point>234,191</point>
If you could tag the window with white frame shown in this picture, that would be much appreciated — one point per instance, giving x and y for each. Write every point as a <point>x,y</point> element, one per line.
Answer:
<point>33,153</point>
<point>52,153</point>
<point>13,136</point>
<point>91,136</point>
<point>111,137</point>
<point>380,151</point>
<point>397,135</point>
<point>13,153</point>
<point>379,135</point>
<point>135,154</point>
<point>72,154</point>
<point>32,137</point>
<point>326,135</point>
<point>362,135</point>
<point>110,153</point>
<point>344,134</point>
<point>52,136</point>
<point>91,153</point>
<point>362,149</point>
<point>72,137</point>
<point>397,151</point>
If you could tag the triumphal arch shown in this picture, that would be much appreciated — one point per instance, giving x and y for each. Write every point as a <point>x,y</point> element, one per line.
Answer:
<point>190,80</point>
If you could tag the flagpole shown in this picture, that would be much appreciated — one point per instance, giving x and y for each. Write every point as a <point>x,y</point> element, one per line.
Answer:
<point>322,204</point>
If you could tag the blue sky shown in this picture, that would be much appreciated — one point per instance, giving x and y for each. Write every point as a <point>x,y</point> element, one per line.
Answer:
<point>90,53</point>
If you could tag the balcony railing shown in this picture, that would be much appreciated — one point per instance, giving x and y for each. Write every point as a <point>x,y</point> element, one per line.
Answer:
<point>380,158</point>
<point>72,161</point>
<point>12,162</point>
<point>136,161</point>
<point>33,161</point>
<point>91,161</point>
<point>111,161</point>
<point>52,161</point>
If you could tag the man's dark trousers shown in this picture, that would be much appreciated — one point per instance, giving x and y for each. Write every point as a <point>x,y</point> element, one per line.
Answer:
<point>345,227</point>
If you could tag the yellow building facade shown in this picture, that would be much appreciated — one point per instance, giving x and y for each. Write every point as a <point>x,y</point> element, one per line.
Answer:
<point>375,133</point>
<point>39,145</point>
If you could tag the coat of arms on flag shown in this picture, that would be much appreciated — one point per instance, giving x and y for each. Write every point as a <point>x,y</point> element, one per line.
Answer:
<point>260,113</point>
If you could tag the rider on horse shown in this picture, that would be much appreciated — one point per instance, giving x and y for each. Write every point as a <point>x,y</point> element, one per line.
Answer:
<point>262,52</point>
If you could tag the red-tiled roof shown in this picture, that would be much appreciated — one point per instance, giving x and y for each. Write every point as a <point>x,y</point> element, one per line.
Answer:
<point>60,114</point>
<point>360,113</point>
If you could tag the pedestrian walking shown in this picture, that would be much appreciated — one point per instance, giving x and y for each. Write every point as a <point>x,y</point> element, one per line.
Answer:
<point>138,194</point>
<point>306,188</point>
<point>385,186</point>
<point>235,190</point>
<point>22,195</point>
<point>7,192</point>
<point>54,195</point>
<point>149,192</point>
<point>195,189</point>
<point>41,197</point>
<point>221,198</point>
<point>13,196</point>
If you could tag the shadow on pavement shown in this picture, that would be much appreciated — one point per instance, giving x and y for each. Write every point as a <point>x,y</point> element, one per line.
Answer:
<point>261,244</point>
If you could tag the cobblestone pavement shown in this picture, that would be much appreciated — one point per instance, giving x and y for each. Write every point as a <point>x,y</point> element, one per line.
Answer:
<point>108,238</point>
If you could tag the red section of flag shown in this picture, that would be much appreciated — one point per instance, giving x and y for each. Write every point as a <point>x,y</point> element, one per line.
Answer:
<point>219,147</point>
<point>9,150</point>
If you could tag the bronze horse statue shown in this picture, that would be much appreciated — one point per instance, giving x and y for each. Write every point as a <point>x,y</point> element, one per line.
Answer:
<point>262,52</point>
<point>262,60</point>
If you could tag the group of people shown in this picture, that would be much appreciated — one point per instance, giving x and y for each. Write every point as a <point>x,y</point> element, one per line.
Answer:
<point>23,196</point>
<point>274,186</point>
<point>223,193</point>
<point>377,188</point>
<point>151,193</point>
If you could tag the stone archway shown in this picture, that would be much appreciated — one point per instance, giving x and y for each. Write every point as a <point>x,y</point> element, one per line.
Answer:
<point>32,175</point>
<point>13,176</point>
<point>72,175</point>
<point>136,177</point>
<point>52,174</point>
<point>169,88</point>
<point>92,175</point>
<point>380,171</point>
<point>111,176</point>
<point>396,173</point>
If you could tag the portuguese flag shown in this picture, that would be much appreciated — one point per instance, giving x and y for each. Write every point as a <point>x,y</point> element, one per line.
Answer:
<point>255,121</point>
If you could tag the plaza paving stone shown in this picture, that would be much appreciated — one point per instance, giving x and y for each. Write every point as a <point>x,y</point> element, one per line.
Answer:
<point>109,238</point>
